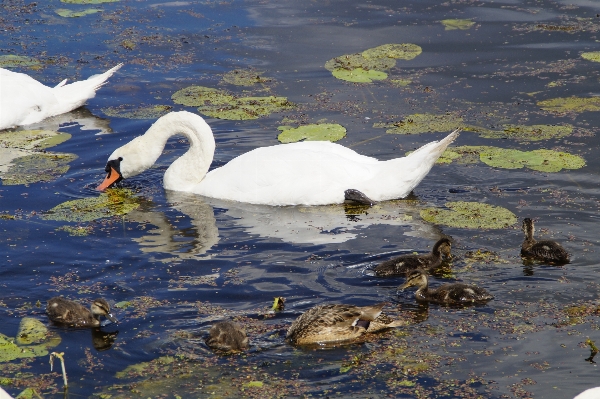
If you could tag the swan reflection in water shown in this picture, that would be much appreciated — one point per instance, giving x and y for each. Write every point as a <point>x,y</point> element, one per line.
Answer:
<point>312,225</point>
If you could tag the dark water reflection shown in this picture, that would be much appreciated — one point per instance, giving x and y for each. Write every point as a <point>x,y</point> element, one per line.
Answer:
<point>179,263</point>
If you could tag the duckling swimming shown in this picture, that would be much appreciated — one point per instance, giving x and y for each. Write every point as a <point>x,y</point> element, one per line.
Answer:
<point>450,294</point>
<point>227,336</point>
<point>546,250</point>
<point>401,265</point>
<point>336,323</point>
<point>73,314</point>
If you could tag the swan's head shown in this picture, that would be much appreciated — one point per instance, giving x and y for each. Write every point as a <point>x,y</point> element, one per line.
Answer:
<point>113,170</point>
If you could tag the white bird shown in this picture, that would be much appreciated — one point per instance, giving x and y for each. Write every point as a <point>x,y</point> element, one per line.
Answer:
<point>24,100</point>
<point>305,173</point>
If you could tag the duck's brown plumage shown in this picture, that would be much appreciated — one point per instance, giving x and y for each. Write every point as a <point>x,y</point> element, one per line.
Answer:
<point>336,323</point>
<point>545,251</point>
<point>404,264</point>
<point>227,336</point>
<point>73,314</point>
<point>450,294</point>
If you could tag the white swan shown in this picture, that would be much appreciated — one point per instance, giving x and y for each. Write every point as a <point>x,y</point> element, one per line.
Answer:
<point>306,173</point>
<point>24,100</point>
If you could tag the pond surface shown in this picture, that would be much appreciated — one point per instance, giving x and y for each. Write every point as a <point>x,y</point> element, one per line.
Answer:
<point>178,263</point>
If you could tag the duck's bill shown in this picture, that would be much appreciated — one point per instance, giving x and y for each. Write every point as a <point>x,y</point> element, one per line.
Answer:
<point>111,178</point>
<point>109,319</point>
<point>403,286</point>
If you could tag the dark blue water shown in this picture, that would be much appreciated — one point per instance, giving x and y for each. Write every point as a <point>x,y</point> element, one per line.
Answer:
<point>183,262</point>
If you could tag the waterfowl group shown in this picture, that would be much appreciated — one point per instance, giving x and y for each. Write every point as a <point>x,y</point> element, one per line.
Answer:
<point>544,251</point>
<point>404,264</point>
<point>73,314</point>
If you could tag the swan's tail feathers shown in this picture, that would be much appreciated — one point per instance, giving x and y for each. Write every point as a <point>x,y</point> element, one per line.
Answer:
<point>74,95</point>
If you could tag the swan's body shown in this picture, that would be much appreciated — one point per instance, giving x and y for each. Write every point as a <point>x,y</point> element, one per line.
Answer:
<point>449,294</point>
<point>24,100</point>
<point>306,173</point>
<point>336,323</point>
<point>545,251</point>
<point>404,264</point>
<point>73,314</point>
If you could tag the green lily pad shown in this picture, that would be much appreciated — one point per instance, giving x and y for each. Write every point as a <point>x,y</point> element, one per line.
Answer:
<point>359,75</point>
<point>31,331</point>
<point>571,104</point>
<point>37,167</point>
<point>140,112</point>
<point>13,61</point>
<point>462,24</point>
<point>370,64</point>
<point>530,133</point>
<point>401,82</point>
<point>591,56</point>
<point>255,384</point>
<point>540,160</point>
<point>470,215</point>
<point>9,350</point>
<point>113,202</point>
<point>28,393</point>
<point>219,104</point>
<point>244,77</point>
<point>423,123</point>
<point>318,132</point>
<point>66,13</point>
<point>32,139</point>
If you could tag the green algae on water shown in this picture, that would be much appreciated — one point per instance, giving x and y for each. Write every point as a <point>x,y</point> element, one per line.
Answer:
<point>317,132</point>
<point>423,123</point>
<point>591,56</point>
<point>369,65</point>
<point>31,331</point>
<point>570,104</point>
<point>32,139</point>
<point>37,167</point>
<point>220,104</point>
<point>66,13</point>
<point>33,340</point>
<point>245,77</point>
<point>13,61</point>
<point>453,24</point>
<point>113,202</point>
<point>139,112</point>
<point>470,215</point>
<point>529,133</point>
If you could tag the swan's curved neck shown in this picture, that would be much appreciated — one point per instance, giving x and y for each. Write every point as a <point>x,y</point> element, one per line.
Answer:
<point>187,170</point>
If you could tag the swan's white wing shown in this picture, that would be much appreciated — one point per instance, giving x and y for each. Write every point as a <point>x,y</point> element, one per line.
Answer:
<point>310,173</point>
<point>23,100</point>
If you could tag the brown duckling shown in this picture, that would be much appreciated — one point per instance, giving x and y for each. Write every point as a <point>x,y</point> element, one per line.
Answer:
<point>546,250</point>
<point>336,323</point>
<point>227,336</point>
<point>401,265</point>
<point>449,294</point>
<point>73,314</point>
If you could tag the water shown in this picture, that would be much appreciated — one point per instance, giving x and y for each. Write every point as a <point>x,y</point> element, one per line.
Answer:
<point>184,262</point>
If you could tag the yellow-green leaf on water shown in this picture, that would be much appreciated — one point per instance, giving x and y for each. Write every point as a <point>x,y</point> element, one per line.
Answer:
<point>143,367</point>
<point>462,24</point>
<point>13,61</point>
<point>317,132</point>
<point>423,123</point>
<point>470,215</point>
<point>28,393</point>
<point>591,56</point>
<point>530,133</point>
<point>541,160</point>
<point>359,75</point>
<point>33,139</point>
<point>244,77</point>
<point>31,331</point>
<point>220,104</point>
<point>113,202</point>
<point>66,13</point>
<point>75,231</point>
<point>255,384</point>
<point>139,112</point>
<point>404,51</point>
<point>571,104</point>
<point>37,167</point>
<point>9,350</point>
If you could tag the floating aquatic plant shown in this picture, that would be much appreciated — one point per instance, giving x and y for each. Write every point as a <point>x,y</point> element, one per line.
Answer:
<point>423,123</point>
<point>317,132</point>
<point>33,340</point>
<point>13,61</point>
<point>37,167</point>
<point>219,104</point>
<point>66,13</point>
<point>113,202</point>
<point>244,77</point>
<point>139,112</point>
<point>529,133</point>
<point>591,56</point>
<point>31,331</point>
<point>370,64</point>
<point>462,24</point>
<point>540,160</point>
<point>470,215</point>
<point>571,104</point>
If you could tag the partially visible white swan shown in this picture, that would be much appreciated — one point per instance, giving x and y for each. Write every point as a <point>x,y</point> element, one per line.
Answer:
<point>24,100</point>
<point>306,173</point>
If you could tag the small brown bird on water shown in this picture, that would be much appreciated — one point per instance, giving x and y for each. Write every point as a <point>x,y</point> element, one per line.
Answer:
<point>545,251</point>
<point>73,314</point>
<point>227,336</point>
<point>404,264</point>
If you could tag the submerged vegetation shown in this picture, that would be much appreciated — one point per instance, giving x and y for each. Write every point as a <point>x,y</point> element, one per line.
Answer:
<point>470,215</point>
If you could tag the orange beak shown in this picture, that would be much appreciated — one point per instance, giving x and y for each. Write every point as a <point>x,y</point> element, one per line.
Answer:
<point>110,178</point>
